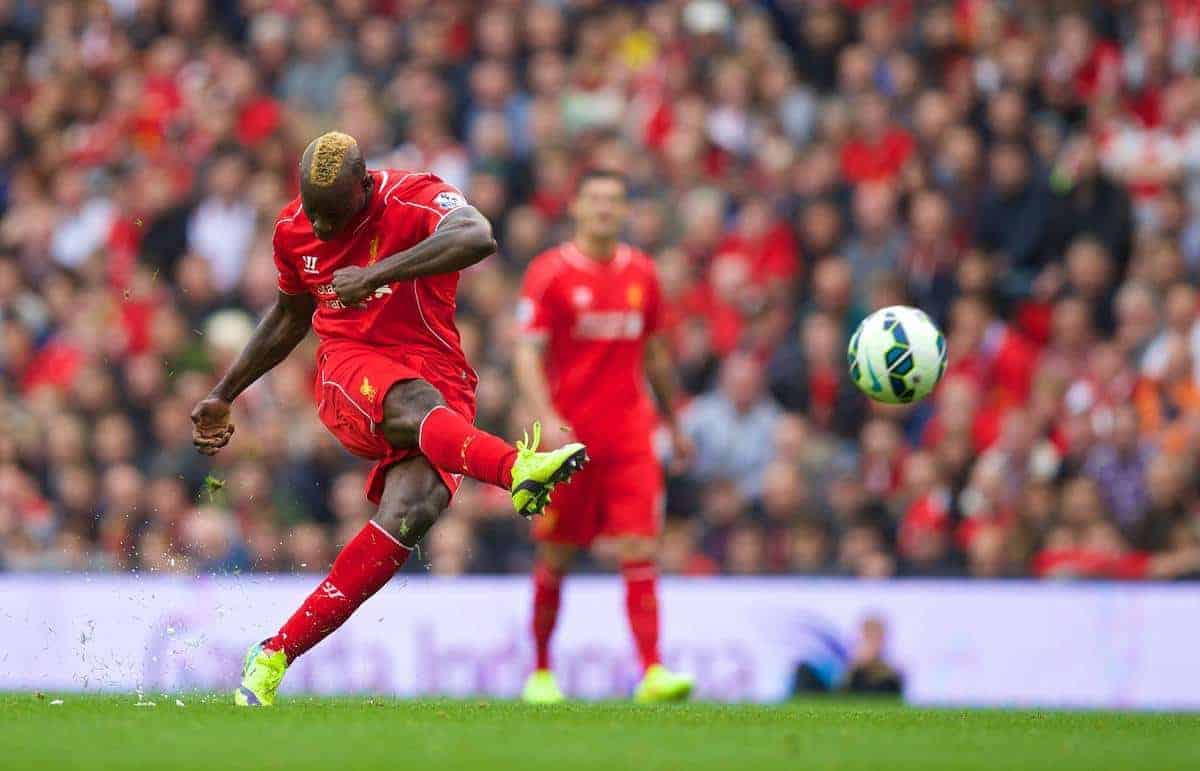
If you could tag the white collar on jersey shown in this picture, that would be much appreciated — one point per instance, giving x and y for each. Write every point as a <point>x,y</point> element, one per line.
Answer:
<point>572,254</point>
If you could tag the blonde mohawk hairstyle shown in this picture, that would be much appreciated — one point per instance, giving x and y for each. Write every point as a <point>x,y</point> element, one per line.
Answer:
<point>327,157</point>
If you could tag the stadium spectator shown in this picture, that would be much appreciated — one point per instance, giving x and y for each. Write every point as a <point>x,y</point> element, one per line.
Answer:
<point>221,228</point>
<point>733,427</point>
<point>869,670</point>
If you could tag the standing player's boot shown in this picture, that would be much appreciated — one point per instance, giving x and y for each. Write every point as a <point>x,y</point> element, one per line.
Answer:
<point>542,688</point>
<point>534,474</point>
<point>661,684</point>
<point>261,675</point>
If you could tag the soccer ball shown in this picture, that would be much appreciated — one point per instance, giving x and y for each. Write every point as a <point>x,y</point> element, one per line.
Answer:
<point>897,355</point>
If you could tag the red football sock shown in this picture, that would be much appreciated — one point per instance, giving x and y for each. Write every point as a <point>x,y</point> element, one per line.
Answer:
<point>641,604</point>
<point>453,444</point>
<point>361,569</point>
<point>547,589</point>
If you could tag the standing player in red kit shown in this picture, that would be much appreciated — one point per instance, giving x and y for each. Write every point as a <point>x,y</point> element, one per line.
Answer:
<point>590,312</point>
<point>370,260</point>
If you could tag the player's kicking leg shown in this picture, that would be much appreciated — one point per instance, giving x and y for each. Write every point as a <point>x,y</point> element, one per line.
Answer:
<point>640,575</point>
<point>414,496</point>
<point>415,414</point>
<point>553,561</point>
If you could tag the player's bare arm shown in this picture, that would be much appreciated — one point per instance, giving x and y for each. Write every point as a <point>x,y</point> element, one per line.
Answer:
<point>534,388</point>
<point>462,239</point>
<point>280,331</point>
<point>660,371</point>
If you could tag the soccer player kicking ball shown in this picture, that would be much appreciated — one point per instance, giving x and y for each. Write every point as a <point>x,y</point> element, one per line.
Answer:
<point>590,316</point>
<point>370,260</point>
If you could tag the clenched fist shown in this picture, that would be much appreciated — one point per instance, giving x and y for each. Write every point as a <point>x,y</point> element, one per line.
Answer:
<point>211,427</point>
<point>352,284</point>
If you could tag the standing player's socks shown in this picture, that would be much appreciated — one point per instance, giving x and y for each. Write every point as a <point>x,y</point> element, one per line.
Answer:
<point>641,604</point>
<point>453,444</point>
<point>547,589</point>
<point>362,568</point>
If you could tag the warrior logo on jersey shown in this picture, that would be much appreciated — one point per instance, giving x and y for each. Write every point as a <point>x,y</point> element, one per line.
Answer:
<point>310,263</point>
<point>449,200</point>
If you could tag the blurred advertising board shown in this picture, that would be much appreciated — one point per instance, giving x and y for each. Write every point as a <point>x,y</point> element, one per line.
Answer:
<point>956,643</point>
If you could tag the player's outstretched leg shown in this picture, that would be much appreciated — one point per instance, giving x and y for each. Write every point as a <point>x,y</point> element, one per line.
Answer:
<point>416,415</point>
<point>553,561</point>
<point>414,496</point>
<point>640,575</point>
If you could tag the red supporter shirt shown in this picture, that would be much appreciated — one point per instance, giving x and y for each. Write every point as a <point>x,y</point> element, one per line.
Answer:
<point>408,317</point>
<point>595,318</point>
<point>864,161</point>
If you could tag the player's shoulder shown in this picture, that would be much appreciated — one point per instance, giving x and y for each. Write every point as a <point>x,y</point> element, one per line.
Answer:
<point>638,260</point>
<point>403,184</point>
<point>405,192</point>
<point>549,260</point>
<point>398,182</point>
<point>544,269</point>
<point>289,221</point>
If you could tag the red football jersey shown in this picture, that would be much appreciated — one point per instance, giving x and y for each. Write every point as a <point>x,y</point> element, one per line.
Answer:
<point>595,318</point>
<point>411,317</point>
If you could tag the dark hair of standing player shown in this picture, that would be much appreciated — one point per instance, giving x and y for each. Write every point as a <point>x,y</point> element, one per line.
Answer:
<point>597,173</point>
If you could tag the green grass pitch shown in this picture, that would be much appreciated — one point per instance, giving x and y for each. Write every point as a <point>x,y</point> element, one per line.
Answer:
<point>111,732</point>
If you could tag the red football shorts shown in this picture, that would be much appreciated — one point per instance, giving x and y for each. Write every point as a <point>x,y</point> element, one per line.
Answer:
<point>352,380</point>
<point>606,499</point>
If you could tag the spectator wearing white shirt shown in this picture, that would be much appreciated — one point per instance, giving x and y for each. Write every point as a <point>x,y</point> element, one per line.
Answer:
<point>733,427</point>
<point>221,229</point>
<point>87,222</point>
<point>1182,323</point>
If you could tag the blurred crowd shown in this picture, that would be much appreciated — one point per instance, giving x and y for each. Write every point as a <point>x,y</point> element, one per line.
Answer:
<point>1027,171</point>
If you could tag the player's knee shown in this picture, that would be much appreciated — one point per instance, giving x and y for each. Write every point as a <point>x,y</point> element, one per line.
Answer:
<point>557,557</point>
<point>635,549</point>
<point>404,407</point>
<point>410,521</point>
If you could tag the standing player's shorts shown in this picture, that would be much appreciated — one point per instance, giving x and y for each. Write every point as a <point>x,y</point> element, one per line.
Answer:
<point>352,380</point>
<point>605,499</point>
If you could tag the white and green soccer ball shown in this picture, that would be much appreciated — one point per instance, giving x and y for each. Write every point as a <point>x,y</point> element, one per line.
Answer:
<point>897,355</point>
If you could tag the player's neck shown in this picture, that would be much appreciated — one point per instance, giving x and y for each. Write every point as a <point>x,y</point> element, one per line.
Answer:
<point>596,249</point>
